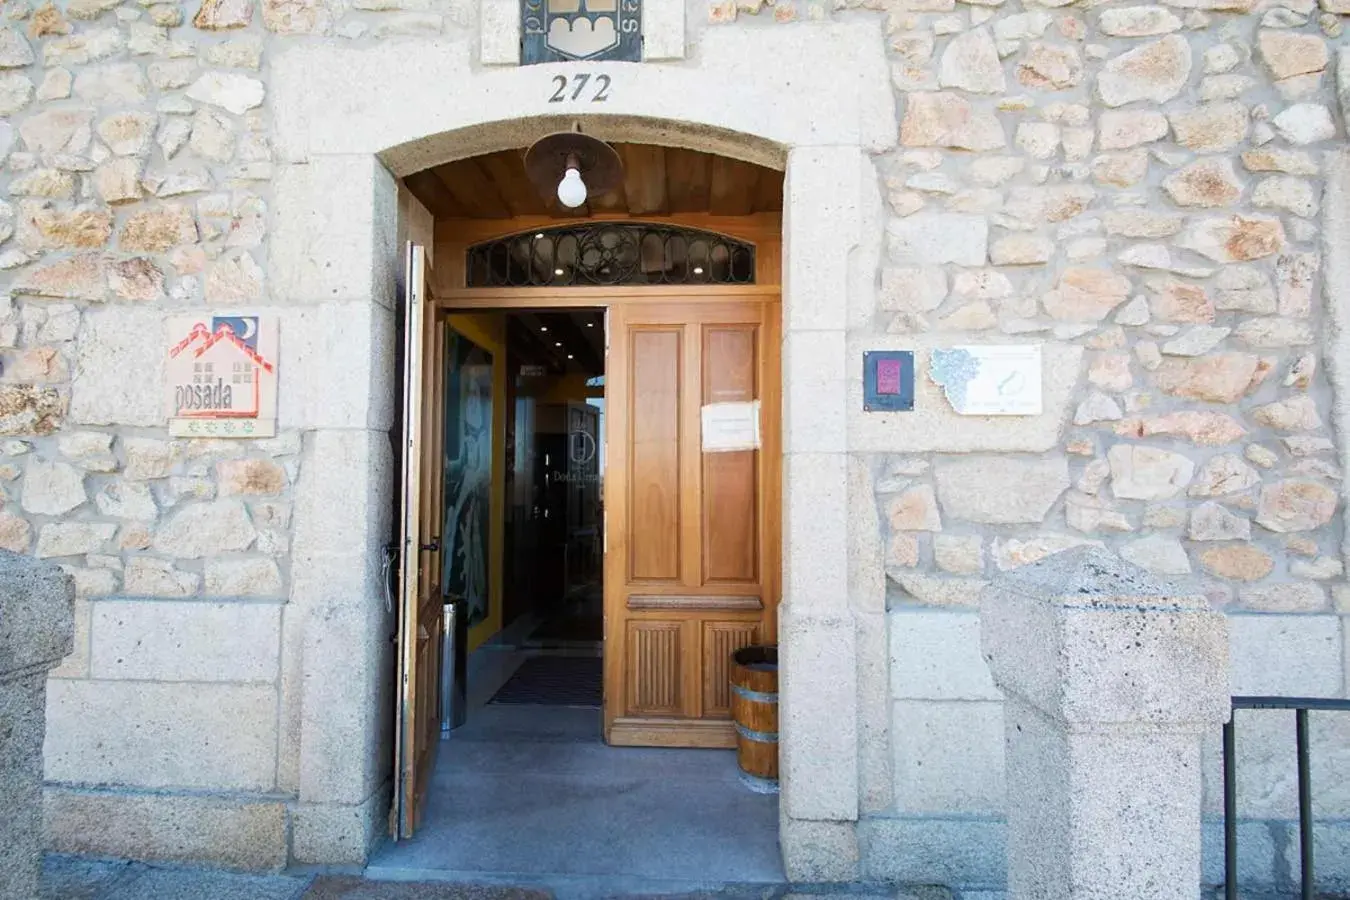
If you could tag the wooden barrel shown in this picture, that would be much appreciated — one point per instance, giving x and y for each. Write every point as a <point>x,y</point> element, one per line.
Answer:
<point>754,709</point>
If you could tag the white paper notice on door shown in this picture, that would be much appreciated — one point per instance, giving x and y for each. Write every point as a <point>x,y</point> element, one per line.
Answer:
<point>729,427</point>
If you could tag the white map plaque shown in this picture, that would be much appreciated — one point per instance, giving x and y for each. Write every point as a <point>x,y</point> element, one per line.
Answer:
<point>990,381</point>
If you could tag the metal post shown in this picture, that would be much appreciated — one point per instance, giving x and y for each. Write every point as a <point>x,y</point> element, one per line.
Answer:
<point>454,647</point>
<point>1230,808</point>
<point>1305,813</point>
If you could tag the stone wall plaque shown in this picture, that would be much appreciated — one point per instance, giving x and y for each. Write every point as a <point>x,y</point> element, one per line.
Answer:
<point>990,381</point>
<point>888,380</point>
<point>221,376</point>
<point>576,30</point>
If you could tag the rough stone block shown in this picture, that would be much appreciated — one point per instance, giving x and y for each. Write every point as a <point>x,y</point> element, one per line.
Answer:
<point>238,832</point>
<point>1331,851</point>
<point>1286,655</point>
<point>866,575</point>
<point>663,23</point>
<point>346,703</point>
<point>36,631</point>
<point>140,734</point>
<point>816,852</point>
<point>1001,491</point>
<point>353,471</point>
<point>343,703</point>
<point>965,851</point>
<point>337,367</point>
<point>1044,627</point>
<point>815,530</point>
<point>1256,855</point>
<point>1267,768</point>
<point>827,181</point>
<point>1078,826</point>
<point>876,782</point>
<point>76,665</point>
<point>936,656</point>
<point>36,628</point>
<point>335,237</point>
<point>934,238</point>
<point>185,641</point>
<point>948,757</point>
<point>119,365</point>
<point>337,834</point>
<point>1111,678</point>
<point>499,33</point>
<point>818,693</point>
<point>813,392</point>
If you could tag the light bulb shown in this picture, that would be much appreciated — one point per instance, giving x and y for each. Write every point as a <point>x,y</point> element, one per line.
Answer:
<point>572,190</point>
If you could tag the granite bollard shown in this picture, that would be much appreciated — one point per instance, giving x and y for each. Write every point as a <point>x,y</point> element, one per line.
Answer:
<point>1111,678</point>
<point>36,633</point>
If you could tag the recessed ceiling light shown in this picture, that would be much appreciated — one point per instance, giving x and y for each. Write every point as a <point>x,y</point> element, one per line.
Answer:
<point>557,343</point>
<point>590,324</point>
<point>539,235</point>
<point>557,271</point>
<point>543,328</point>
<point>569,356</point>
<point>698,270</point>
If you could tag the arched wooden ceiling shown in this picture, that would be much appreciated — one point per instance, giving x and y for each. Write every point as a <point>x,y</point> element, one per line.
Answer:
<point>658,181</point>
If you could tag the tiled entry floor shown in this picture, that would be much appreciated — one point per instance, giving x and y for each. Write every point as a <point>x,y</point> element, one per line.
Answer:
<point>531,795</point>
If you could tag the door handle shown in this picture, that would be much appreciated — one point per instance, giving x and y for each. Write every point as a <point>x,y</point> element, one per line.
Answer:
<point>432,547</point>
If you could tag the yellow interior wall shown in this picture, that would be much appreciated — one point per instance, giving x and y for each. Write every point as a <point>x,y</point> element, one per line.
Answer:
<point>488,330</point>
<point>569,387</point>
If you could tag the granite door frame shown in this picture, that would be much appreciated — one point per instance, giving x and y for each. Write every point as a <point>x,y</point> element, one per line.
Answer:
<point>349,123</point>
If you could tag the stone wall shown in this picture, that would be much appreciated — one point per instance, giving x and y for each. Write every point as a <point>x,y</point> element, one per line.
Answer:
<point>1138,188</point>
<point>137,182</point>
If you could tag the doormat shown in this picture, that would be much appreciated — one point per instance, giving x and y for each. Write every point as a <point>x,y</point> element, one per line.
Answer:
<point>555,681</point>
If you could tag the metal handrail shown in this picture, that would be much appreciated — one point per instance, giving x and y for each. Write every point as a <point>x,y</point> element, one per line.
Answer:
<point>1301,706</point>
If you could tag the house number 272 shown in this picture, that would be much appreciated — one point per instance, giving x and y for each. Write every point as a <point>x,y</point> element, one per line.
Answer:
<point>565,88</point>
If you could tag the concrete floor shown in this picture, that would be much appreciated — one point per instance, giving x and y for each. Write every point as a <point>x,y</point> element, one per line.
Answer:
<point>73,878</point>
<point>530,795</point>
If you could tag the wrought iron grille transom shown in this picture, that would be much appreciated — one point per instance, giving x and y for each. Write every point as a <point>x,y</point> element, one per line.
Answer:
<point>611,253</point>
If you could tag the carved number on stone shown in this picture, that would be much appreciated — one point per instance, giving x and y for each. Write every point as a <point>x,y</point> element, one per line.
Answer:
<point>578,83</point>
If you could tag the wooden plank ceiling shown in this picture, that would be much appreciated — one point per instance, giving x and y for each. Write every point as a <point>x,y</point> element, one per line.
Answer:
<point>658,181</point>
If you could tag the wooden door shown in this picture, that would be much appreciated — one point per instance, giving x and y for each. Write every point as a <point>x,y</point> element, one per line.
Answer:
<point>422,508</point>
<point>691,563</point>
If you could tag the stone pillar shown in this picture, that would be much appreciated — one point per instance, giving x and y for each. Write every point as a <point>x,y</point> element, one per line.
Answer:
<point>37,631</point>
<point>1111,678</point>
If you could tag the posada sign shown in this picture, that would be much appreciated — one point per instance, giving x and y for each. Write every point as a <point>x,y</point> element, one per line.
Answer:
<point>221,376</point>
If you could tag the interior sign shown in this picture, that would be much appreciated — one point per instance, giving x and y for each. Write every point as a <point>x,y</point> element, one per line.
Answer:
<point>221,376</point>
<point>573,30</point>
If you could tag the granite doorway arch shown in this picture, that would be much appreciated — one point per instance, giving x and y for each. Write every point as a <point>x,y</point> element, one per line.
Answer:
<point>385,111</point>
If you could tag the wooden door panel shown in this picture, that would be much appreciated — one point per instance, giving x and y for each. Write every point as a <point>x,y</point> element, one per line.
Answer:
<point>688,576</point>
<point>655,668</point>
<point>730,514</point>
<point>654,473</point>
